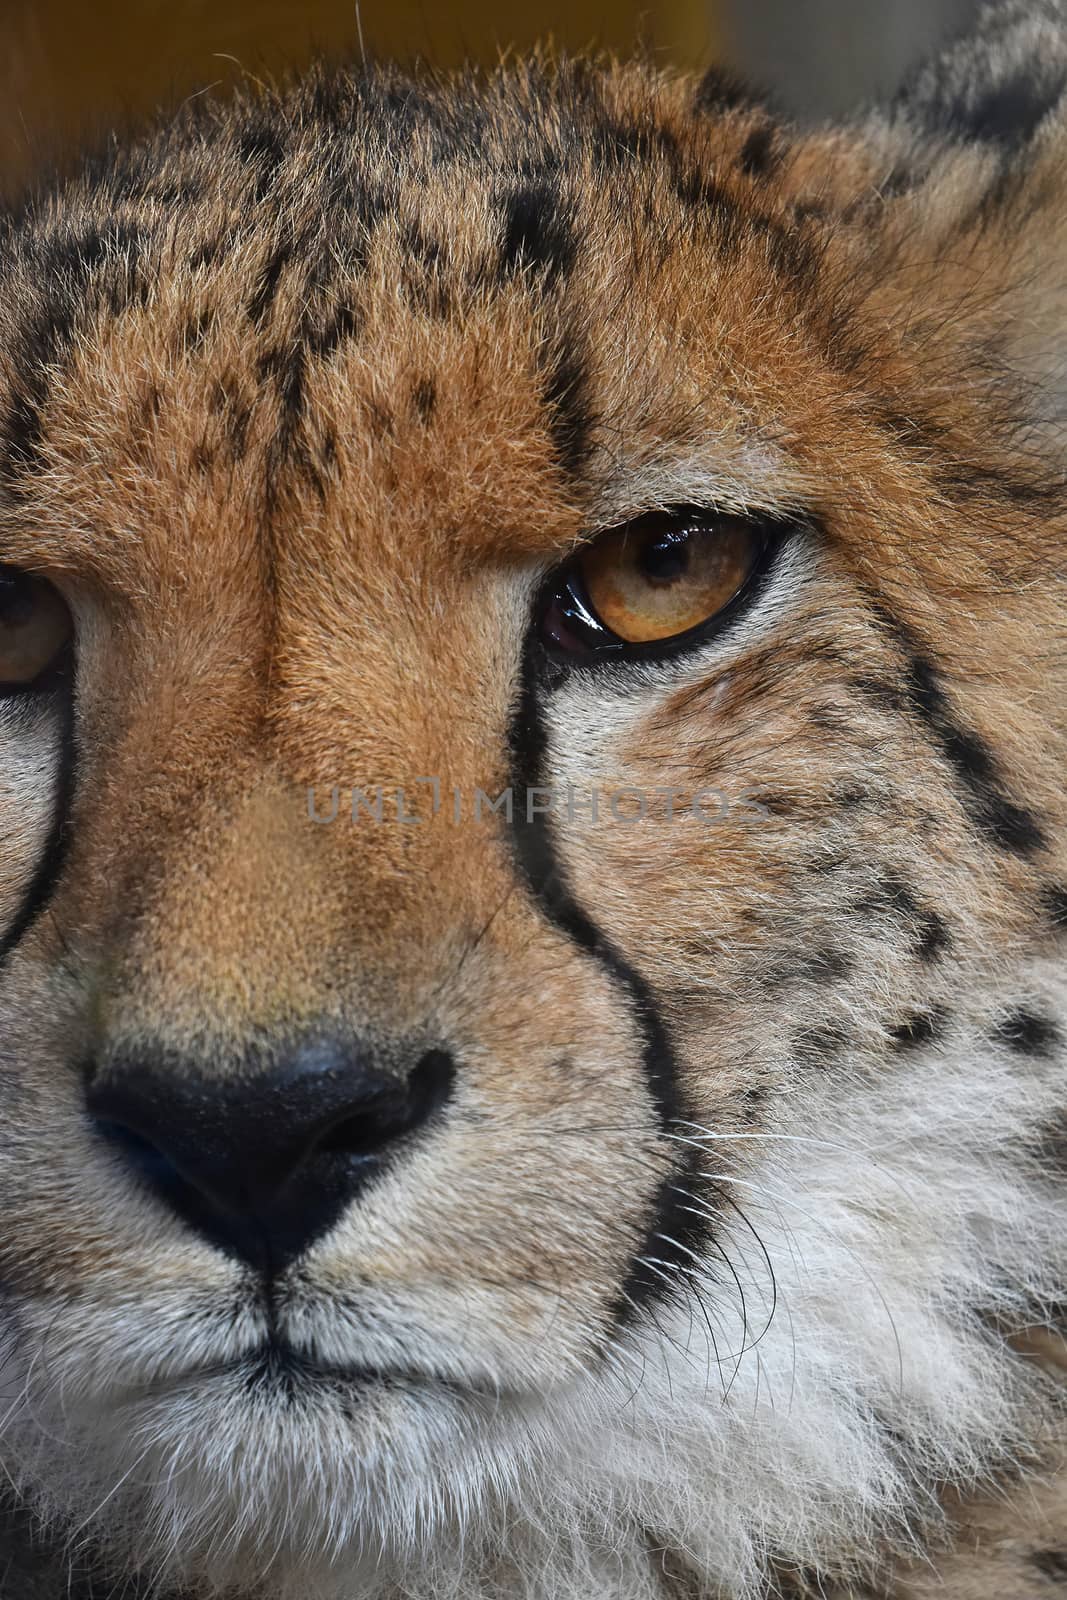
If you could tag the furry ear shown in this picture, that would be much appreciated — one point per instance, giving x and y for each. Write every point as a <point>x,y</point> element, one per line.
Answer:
<point>980,138</point>
<point>997,85</point>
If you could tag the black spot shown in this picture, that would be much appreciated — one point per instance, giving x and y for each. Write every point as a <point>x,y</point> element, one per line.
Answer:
<point>830,717</point>
<point>381,418</point>
<point>815,1046</point>
<point>733,225</point>
<point>424,398</point>
<point>360,208</point>
<point>614,143</point>
<point>851,796</point>
<point>196,330</point>
<point>537,233</point>
<point>1027,1032</point>
<point>934,936</point>
<point>76,271</point>
<point>894,895</point>
<point>175,192</point>
<point>209,252</point>
<point>823,865</point>
<point>1054,903</point>
<point>761,153</point>
<point>712,203</point>
<point>1005,823</point>
<point>426,251</point>
<point>899,181</point>
<point>788,253</point>
<point>1010,112</point>
<point>969,754</point>
<point>341,326</point>
<point>1051,1564</point>
<point>823,965</point>
<point>918,1027</point>
<point>808,211</point>
<point>423,273</point>
<point>886,696</point>
<point>720,90</point>
<point>269,279</point>
<point>432,294</point>
<point>260,146</point>
<point>753,1101</point>
<point>566,396</point>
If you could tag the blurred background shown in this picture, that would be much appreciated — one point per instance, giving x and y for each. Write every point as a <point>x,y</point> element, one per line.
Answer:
<point>70,69</point>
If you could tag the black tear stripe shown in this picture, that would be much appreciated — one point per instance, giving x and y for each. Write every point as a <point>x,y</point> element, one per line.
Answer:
<point>675,1232</point>
<point>50,865</point>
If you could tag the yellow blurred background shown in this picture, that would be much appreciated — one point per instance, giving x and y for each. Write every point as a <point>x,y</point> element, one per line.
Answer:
<point>68,68</point>
<point>73,68</point>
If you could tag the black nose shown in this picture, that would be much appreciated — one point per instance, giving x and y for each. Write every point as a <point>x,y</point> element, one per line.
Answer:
<point>263,1162</point>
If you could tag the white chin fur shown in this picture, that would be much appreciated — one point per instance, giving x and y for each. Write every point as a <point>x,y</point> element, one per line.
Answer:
<point>720,1430</point>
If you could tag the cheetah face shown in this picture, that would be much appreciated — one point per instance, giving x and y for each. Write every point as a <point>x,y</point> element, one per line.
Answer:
<point>523,914</point>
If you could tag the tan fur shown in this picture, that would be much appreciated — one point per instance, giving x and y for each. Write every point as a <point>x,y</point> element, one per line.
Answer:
<point>273,597</point>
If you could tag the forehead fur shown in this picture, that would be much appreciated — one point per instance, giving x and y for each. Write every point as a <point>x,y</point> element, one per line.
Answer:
<point>284,385</point>
<point>521,306</point>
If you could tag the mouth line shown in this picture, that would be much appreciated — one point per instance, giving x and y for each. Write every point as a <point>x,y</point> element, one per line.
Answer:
<point>276,1364</point>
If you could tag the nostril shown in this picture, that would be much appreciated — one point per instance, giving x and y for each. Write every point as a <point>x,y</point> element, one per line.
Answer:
<point>397,1108</point>
<point>430,1085</point>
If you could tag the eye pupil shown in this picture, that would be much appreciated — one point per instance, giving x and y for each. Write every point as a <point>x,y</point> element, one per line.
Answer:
<point>666,559</point>
<point>16,601</point>
<point>35,628</point>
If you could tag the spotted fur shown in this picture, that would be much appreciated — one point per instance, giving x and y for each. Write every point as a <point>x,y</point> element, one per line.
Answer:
<point>734,1264</point>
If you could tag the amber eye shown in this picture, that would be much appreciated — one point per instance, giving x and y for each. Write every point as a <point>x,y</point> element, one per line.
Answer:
<point>658,579</point>
<point>35,627</point>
